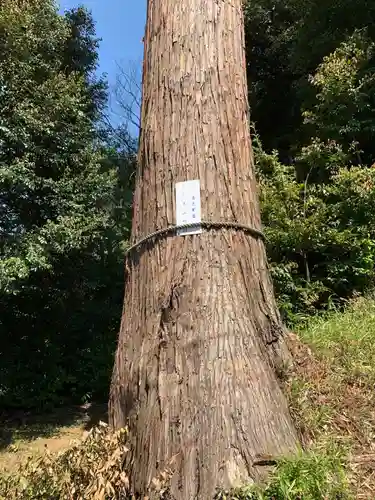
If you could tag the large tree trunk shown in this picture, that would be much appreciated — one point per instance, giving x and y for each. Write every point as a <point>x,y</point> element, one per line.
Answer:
<point>200,340</point>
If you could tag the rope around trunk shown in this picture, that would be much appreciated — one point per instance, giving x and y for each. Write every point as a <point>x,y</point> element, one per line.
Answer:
<point>256,233</point>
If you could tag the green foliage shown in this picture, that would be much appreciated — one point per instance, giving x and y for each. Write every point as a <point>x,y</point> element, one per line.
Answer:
<point>345,85</point>
<point>318,208</point>
<point>286,41</point>
<point>52,188</point>
<point>311,476</point>
<point>331,397</point>
<point>320,236</point>
<point>65,187</point>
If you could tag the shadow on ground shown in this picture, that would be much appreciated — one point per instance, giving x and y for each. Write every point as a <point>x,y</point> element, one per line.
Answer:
<point>15,426</point>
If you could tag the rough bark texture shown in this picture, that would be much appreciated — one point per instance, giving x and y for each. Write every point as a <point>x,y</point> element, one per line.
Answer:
<point>200,338</point>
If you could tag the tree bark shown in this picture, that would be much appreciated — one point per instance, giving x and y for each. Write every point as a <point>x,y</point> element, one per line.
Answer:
<point>200,342</point>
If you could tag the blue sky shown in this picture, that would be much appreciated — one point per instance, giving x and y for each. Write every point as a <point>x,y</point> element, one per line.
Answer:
<point>120,24</point>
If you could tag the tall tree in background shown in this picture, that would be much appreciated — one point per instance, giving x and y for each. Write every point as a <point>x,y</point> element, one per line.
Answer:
<point>63,210</point>
<point>201,338</point>
<point>286,41</point>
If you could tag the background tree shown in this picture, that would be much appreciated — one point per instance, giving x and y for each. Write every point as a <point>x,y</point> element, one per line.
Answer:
<point>318,212</point>
<point>64,210</point>
<point>128,94</point>
<point>200,338</point>
<point>285,43</point>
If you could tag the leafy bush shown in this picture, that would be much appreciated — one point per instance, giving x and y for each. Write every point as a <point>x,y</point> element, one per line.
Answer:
<point>344,107</point>
<point>319,210</point>
<point>320,236</point>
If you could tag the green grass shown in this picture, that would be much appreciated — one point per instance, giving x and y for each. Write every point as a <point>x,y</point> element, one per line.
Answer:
<point>307,476</point>
<point>346,341</point>
<point>334,392</point>
<point>331,392</point>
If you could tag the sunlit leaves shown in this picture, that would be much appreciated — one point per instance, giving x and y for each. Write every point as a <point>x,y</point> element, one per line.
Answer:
<point>55,195</point>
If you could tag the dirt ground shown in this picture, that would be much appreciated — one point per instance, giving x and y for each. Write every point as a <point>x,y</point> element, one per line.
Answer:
<point>23,436</point>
